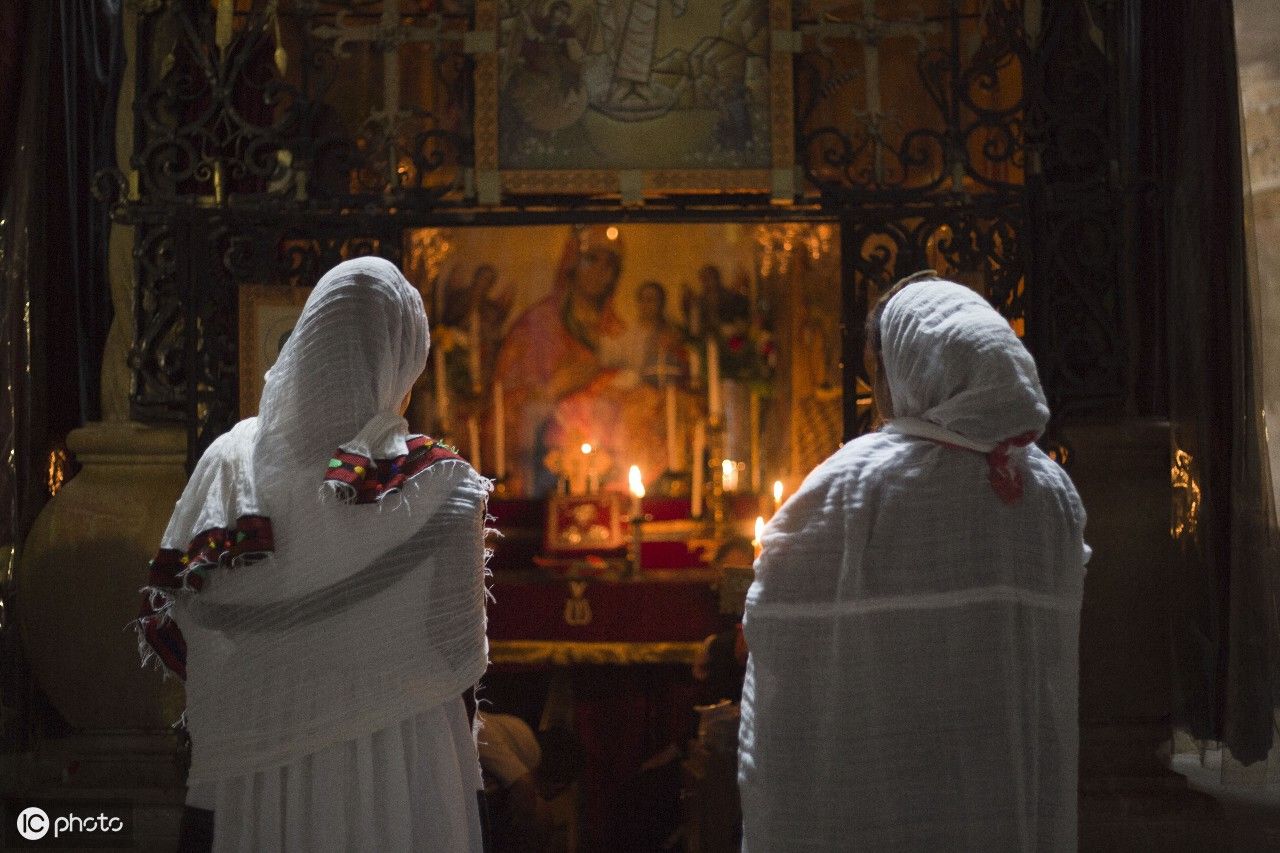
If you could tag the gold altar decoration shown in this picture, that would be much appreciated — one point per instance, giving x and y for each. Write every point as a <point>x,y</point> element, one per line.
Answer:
<point>568,653</point>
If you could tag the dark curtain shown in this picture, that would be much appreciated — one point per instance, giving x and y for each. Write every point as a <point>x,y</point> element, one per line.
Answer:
<point>62,64</point>
<point>23,409</point>
<point>1195,244</point>
<point>91,49</point>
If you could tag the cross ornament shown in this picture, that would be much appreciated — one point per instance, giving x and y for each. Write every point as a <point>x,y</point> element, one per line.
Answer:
<point>386,36</point>
<point>871,30</point>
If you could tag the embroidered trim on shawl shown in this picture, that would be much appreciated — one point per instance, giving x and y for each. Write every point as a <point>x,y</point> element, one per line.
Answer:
<point>358,479</point>
<point>172,571</point>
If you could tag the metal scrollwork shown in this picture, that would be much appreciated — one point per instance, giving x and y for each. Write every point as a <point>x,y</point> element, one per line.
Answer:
<point>273,139</point>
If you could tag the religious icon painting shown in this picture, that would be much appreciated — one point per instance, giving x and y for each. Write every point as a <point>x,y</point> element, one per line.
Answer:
<point>585,523</point>
<point>634,97</point>
<point>268,314</point>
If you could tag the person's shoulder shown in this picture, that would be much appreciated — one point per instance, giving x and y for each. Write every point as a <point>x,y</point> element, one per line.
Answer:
<point>1051,476</point>
<point>863,455</point>
<point>846,474</point>
<point>228,451</point>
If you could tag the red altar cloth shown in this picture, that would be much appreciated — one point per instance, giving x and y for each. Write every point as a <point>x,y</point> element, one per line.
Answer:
<point>615,611</point>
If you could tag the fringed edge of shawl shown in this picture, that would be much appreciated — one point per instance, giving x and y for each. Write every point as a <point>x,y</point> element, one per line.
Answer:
<point>354,478</point>
<point>174,571</point>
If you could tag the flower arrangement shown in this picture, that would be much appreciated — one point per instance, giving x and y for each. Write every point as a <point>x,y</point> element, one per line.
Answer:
<point>749,354</point>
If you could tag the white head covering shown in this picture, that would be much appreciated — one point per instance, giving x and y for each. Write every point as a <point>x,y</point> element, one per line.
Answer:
<point>357,612</point>
<point>913,631</point>
<point>959,375</point>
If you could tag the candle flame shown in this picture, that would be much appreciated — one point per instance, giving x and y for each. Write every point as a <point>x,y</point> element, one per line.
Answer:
<point>758,543</point>
<point>728,467</point>
<point>777,493</point>
<point>586,448</point>
<point>637,484</point>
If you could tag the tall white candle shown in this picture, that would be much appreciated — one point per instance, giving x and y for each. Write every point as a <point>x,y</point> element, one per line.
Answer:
<point>473,355</point>
<point>673,446</point>
<point>753,423</point>
<point>499,432</point>
<point>473,439</point>
<point>699,467</point>
<point>713,382</point>
<point>442,392</point>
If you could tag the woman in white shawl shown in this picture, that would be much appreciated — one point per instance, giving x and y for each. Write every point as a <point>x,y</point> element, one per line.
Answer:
<point>914,620</point>
<point>320,587</point>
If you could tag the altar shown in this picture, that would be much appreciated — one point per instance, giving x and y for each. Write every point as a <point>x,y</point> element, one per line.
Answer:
<point>607,648</point>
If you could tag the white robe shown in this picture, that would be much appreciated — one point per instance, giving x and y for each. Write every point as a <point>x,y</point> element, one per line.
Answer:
<point>913,675</point>
<point>324,679</point>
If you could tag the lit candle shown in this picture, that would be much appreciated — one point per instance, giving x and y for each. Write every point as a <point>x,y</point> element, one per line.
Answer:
<point>713,382</point>
<point>758,542</point>
<point>729,475</point>
<point>589,465</point>
<point>673,448</point>
<point>699,468</point>
<point>473,356</point>
<point>637,489</point>
<point>777,494</point>
<point>499,432</point>
<point>473,437</point>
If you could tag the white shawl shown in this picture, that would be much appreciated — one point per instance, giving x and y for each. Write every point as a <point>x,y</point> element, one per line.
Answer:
<point>312,610</point>
<point>914,619</point>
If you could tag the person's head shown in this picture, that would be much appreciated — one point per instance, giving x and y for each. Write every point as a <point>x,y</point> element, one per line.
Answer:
<point>871,354</point>
<point>944,355</point>
<point>482,279</point>
<point>355,352</point>
<point>709,278</point>
<point>558,12</point>
<point>594,276</point>
<point>651,303</point>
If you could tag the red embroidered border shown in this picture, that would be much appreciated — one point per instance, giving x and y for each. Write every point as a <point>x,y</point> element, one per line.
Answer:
<point>171,569</point>
<point>374,478</point>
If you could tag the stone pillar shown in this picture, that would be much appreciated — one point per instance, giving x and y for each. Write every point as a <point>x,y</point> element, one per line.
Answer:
<point>1129,799</point>
<point>77,591</point>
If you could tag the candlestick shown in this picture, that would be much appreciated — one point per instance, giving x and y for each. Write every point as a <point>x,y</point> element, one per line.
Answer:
<point>699,466</point>
<point>499,432</point>
<point>713,382</point>
<point>673,447</point>
<point>589,466</point>
<point>473,356</point>
<point>473,438</point>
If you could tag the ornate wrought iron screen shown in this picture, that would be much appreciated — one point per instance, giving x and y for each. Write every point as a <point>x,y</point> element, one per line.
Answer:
<point>275,137</point>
